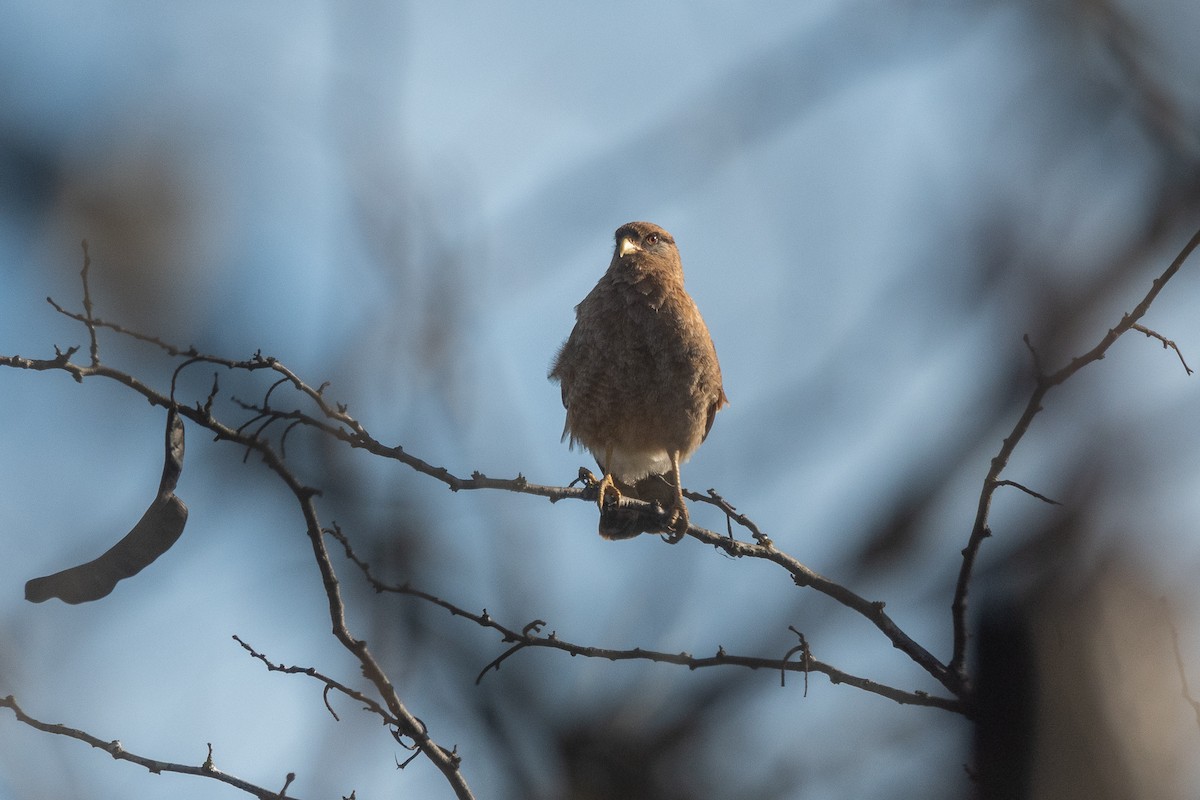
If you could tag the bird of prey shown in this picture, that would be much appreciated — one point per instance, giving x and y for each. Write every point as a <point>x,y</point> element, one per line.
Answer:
<point>640,381</point>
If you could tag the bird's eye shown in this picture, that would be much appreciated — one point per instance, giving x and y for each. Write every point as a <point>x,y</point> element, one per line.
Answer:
<point>652,239</point>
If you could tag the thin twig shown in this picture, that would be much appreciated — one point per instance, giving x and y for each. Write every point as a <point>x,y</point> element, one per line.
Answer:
<point>1166,343</point>
<point>806,656</point>
<point>96,322</point>
<point>1028,491</point>
<point>115,749</point>
<point>89,319</point>
<point>330,683</point>
<point>731,515</point>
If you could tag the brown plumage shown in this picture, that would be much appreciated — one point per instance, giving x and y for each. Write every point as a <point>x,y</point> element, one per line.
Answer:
<point>640,379</point>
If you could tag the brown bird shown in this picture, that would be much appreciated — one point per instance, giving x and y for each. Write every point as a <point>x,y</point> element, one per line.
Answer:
<point>640,380</point>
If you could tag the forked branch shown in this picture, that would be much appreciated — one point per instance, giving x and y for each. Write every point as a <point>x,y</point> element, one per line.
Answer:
<point>1044,383</point>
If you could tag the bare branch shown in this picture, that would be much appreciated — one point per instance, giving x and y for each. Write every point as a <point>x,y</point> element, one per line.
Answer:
<point>95,322</point>
<point>1166,343</point>
<point>333,419</point>
<point>801,648</point>
<point>115,749</point>
<point>339,424</point>
<point>330,684</point>
<point>406,723</point>
<point>530,637</point>
<point>872,610</point>
<point>1183,681</point>
<point>1028,491</point>
<point>87,305</point>
<point>1045,382</point>
<point>731,515</point>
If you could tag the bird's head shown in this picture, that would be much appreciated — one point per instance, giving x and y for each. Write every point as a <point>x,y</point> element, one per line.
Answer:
<point>644,242</point>
<point>643,237</point>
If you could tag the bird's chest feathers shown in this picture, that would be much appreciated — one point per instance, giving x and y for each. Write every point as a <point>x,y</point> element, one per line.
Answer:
<point>643,286</point>
<point>647,292</point>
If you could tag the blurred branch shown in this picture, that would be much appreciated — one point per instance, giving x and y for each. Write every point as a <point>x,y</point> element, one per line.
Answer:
<point>1044,382</point>
<point>1185,687</point>
<point>118,752</point>
<point>87,306</point>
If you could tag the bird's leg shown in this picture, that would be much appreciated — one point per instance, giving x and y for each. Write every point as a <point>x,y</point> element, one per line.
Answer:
<point>605,485</point>
<point>678,511</point>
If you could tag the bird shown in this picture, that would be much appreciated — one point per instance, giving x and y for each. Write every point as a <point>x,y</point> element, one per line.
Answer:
<point>640,382</point>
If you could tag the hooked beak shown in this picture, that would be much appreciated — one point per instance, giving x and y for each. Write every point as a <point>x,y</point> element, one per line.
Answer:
<point>628,246</point>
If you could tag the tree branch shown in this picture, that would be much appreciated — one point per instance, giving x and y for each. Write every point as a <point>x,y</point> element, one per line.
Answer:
<point>530,636</point>
<point>1184,687</point>
<point>115,749</point>
<point>447,761</point>
<point>340,424</point>
<point>1044,383</point>
<point>334,420</point>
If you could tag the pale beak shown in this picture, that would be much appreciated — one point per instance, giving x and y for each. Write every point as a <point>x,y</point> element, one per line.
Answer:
<point>628,246</point>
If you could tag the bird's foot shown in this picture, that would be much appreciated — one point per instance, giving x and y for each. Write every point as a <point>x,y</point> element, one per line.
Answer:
<point>607,493</point>
<point>678,522</point>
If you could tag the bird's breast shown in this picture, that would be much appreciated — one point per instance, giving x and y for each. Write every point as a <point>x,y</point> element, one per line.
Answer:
<point>631,465</point>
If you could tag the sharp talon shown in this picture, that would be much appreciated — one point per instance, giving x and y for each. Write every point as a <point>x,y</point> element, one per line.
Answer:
<point>679,523</point>
<point>604,488</point>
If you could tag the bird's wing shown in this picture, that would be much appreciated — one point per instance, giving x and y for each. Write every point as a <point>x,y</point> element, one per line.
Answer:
<point>713,407</point>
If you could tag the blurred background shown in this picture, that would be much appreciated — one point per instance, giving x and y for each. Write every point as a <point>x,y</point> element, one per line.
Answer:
<point>874,202</point>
